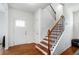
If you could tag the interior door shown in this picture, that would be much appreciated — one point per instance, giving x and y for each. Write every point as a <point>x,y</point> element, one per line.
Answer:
<point>20,32</point>
<point>76,24</point>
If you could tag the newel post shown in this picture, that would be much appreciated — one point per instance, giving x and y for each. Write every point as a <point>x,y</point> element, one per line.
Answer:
<point>49,32</point>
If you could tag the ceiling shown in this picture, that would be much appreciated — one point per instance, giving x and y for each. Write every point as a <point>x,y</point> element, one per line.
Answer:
<point>30,7</point>
<point>73,7</point>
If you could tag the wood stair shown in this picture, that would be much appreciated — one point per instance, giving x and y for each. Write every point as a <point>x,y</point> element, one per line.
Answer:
<point>51,39</point>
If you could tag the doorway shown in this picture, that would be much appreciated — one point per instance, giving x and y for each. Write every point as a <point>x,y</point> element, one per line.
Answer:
<point>76,25</point>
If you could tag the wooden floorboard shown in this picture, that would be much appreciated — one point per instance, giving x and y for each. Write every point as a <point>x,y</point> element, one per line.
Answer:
<point>70,51</point>
<point>29,49</point>
<point>24,49</point>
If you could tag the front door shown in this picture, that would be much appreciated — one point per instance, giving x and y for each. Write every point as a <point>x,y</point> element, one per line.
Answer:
<point>20,32</point>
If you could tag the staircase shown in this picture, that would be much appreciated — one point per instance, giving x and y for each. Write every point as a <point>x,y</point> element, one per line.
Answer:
<point>49,42</point>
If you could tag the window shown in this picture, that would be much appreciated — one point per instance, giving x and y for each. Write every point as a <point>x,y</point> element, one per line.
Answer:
<point>20,23</point>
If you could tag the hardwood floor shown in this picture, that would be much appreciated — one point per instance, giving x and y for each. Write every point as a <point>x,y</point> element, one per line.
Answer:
<point>70,51</point>
<point>29,49</point>
<point>25,49</point>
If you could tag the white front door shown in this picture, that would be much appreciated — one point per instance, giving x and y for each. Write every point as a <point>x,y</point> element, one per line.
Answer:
<point>20,32</point>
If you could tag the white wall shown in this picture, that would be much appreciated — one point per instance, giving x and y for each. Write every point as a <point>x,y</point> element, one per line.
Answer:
<point>74,7</point>
<point>58,8</point>
<point>43,21</point>
<point>15,14</point>
<point>65,40</point>
<point>2,25</point>
<point>47,21</point>
<point>37,23</point>
<point>4,22</point>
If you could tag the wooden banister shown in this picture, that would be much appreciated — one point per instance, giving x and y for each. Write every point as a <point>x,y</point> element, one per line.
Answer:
<point>49,33</point>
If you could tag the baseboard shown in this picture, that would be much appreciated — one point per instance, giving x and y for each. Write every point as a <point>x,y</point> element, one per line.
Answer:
<point>6,48</point>
<point>75,38</point>
<point>22,44</point>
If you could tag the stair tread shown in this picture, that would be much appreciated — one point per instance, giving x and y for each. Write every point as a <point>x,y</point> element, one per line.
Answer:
<point>42,51</point>
<point>54,34</point>
<point>56,31</point>
<point>43,48</point>
<point>58,28</point>
<point>60,25</point>
<point>45,43</point>
<point>52,37</point>
<point>49,40</point>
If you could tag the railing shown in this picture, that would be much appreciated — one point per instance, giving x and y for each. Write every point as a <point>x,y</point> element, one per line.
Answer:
<point>52,8</point>
<point>53,11</point>
<point>56,25</point>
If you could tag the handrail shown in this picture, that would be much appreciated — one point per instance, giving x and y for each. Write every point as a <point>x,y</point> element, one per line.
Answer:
<point>56,23</point>
<point>52,9</point>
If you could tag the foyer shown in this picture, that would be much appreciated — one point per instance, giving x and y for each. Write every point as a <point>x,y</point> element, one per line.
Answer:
<point>38,28</point>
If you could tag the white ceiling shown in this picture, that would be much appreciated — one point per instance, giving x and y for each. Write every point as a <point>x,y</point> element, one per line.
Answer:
<point>73,6</point>
<point>30,7</point>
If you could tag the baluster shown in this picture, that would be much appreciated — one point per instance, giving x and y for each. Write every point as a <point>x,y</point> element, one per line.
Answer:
<point>49,32</point>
